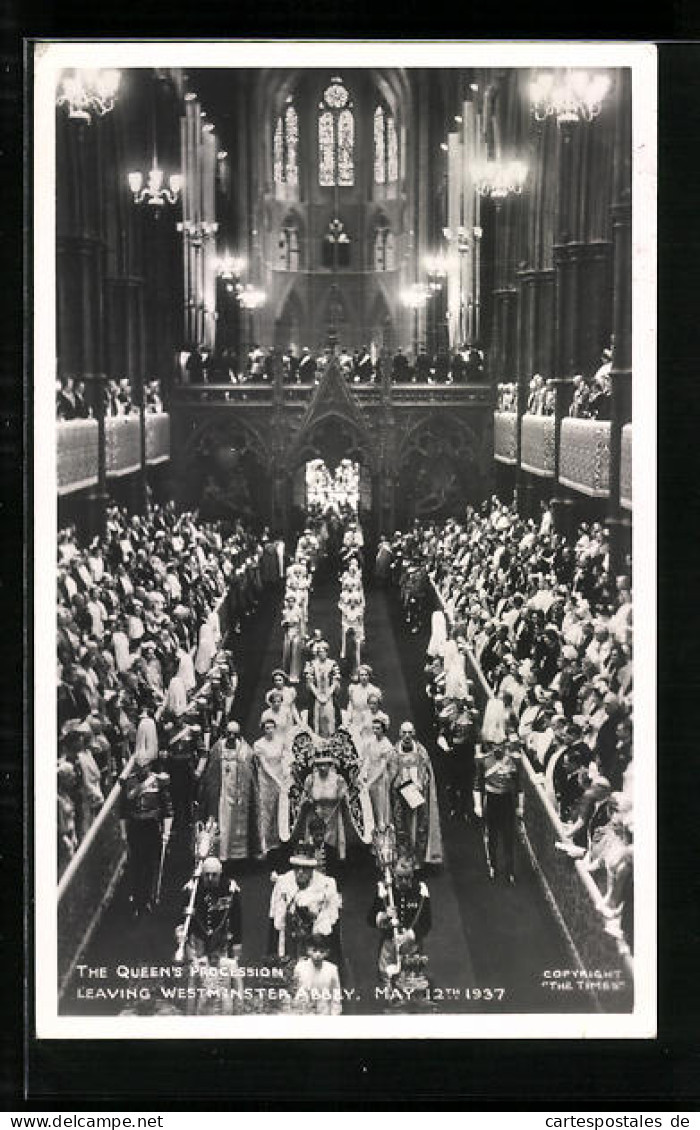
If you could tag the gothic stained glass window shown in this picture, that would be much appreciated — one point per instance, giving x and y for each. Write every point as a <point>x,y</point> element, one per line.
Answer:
<point>326,150</point>
<point>286,148</point>
<point>336,137</point>
<point>291,135</point>
<point>346,145</point>
<point>392,152</point>
<point>379,148</point>
<point>386,148</point>
<point>336,95</point>
<point>278,153</point>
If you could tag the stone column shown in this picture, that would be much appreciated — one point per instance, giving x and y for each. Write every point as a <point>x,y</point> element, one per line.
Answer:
<point>562,507</point>
<point>618,522</point>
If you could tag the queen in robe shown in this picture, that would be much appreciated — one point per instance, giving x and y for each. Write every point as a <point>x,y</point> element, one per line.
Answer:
<point>292,648</point>
<point>376,754</point>
<point>358,715</point>
<point>323,682</point>
<point>272,768</point>
<point>285,717</point>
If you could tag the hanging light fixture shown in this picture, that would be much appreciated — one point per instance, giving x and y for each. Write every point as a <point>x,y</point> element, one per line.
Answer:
<point>198,230</point>
<point>499,179</point>
<point>460,238</point>
<point>415,296</point>
<point>230,266</point>
<point>154,192</point>
<point>252,297</point>
<point>575,96</point>
<point>436,266</point>
<point>84,93</point>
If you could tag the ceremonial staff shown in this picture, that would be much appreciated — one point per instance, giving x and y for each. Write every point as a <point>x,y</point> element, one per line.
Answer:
<point>205,842</point>
<point>159,879</point>
<point>384,848</point>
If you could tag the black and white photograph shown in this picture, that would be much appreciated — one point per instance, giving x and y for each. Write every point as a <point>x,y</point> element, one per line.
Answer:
<point>344,577</point>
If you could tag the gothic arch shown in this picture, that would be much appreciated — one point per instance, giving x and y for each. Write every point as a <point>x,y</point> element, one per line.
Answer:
<point>226,471</point>
<point>336,302</point>
<point>456,431</point>
<point>291,242</point>
<point>291,319</point>
<point>241,437</point>
<point>438,467</point>
<point>381,323</point>
<point>333,436</point>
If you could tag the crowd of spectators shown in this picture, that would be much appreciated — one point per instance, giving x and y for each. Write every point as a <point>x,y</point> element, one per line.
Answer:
<point>138,630</point>
<point>507,397</point>
<point>541,397</point>
<point>74,403</point>
<point>592,396</point>
<point>359,366</point>
<point>551,630</point>
<point>466,364</point>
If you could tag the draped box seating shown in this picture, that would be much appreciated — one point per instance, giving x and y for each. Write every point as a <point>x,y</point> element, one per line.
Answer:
<point>505,437</point>
<point>76,448</point>
<point>584,462</point>
<point>537,452</point>
<point>157,437</point>
<point>626,468</point>
<point>76,455</point>
<point>123,445</point>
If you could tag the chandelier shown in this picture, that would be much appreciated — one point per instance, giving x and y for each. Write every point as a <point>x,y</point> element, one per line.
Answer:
<point>499,179</point>
<point>460,238</point>
<point>251,297</point>
<point>230,266</point>
<point>154,192</point>
<point>416,295</point>
<point>88,92</point>
<point>198,231</point>
<point>436,265</point>
<point>577,96</point>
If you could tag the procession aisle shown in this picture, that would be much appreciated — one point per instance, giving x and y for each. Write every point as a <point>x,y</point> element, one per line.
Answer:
<point>509,932</point>
<point>484,935</point>
<point>447,947</point>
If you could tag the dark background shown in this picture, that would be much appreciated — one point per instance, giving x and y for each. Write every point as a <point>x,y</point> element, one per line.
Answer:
<point>414,1075</point>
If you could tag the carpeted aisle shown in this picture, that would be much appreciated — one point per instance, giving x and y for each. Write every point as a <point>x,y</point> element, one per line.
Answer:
<point>509,932</point>
<point>485,935</point>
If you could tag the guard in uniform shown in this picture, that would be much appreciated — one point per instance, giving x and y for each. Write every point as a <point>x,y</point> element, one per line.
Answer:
<point>404,919</point>
<point>146,815</point>
<point>498,796</point>
<point>459,724</point>
<point>215,929</point>
<point>217,704</point>
<point>211,938</point>
<point>183,754</point>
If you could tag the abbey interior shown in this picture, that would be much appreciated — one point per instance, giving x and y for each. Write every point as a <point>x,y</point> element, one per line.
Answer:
<point>344,449</point>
